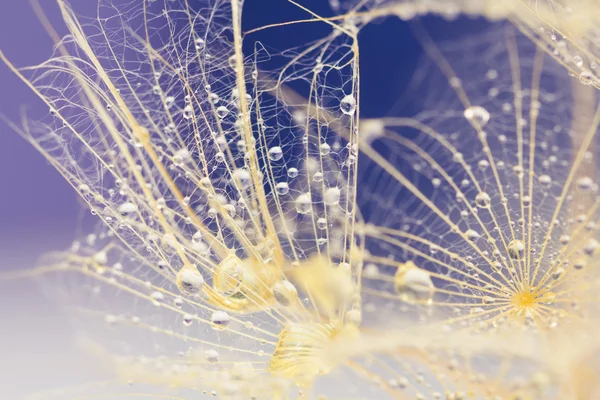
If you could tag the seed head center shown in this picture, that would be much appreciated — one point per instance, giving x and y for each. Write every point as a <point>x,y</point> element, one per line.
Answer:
<point>524,299</point>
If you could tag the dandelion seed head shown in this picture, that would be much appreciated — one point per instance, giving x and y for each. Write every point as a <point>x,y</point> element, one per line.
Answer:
<point>255,242</point>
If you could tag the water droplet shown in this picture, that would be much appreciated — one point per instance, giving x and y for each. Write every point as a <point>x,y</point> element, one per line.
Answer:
<point>491,74</point>
<point>579,263</point>
<point>587,78</point>
<point>348,105</point>
<point>188,112</point>
<point>413,284</point>
<point>303,203</point>
<point>585,183</point>
<point>321,223</point>
<point>242,177</point>
<point>189,281</point>
<point>325,149</point>
<point>516,249</point>
<point>84,189</point>
<point>157,297</point>
<point>285,293</point>
<point>197,237</point>
<point>181,156</point>
<point>282,188</point>
<point>545,180</point>
<point>230,209</point>
<point>213,98</point>
<point>472,235</point>
<point>590,247</point>
<point>211,355</point>
<point>220,320</point>
<point>371,271</point>
<point>275,153</point>
<point>232,62</point>
<point>558,272</point>
<point>101,257</point>
<point>483,200</point>
<point>229,275</point>
<point>483,165</point>
<point>169,101</point>
<point>292,172</point>
<point>222,112</point>
<point>188,319</point>
<point>477,116</point>
<point>332,196</point>
<point>517,169</point>
<point>127,208</point>
<point>457,157</point>
<point>178,302</point>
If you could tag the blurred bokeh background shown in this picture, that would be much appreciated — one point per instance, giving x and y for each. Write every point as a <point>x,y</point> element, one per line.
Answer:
<point>39,212</point>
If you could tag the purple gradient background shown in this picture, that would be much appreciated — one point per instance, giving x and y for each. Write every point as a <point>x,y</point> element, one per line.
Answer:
<point>39,212</point>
